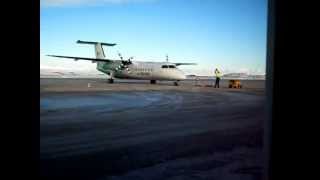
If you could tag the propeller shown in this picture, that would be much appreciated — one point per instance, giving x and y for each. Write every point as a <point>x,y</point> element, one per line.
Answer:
<point>120,56</point>
<point>124,63</point>
<point>129,60</point>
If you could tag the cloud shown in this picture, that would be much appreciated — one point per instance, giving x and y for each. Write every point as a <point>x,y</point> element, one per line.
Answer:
<point>61,3</point>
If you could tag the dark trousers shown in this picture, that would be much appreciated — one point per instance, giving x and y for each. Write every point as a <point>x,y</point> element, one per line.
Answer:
<point>217,82</point>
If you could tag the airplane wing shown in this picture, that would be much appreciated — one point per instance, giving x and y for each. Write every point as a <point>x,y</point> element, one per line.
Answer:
<point>83,58</point>
<point>106,60</point>
<point>178,64</point>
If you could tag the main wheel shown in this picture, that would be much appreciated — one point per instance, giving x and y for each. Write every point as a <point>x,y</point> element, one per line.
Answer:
<point>153,81</point>
<point>176,83</point>
<point>110,81</point>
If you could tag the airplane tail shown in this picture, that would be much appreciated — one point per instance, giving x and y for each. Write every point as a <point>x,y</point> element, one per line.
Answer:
<point>98,52</point>
<point>97,47</point>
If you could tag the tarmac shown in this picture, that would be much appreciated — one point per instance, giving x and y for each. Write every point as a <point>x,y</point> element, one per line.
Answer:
<point>90,129</point>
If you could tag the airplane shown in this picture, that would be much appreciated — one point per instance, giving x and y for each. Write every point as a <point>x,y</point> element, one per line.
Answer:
<point>128,69</point>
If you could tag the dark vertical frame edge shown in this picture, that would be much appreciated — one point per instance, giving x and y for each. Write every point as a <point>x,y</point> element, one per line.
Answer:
<point>269,89</point>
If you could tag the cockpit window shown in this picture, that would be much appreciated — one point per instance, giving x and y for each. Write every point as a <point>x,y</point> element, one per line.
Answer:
<point>172,66</point>
<point>164,66</point>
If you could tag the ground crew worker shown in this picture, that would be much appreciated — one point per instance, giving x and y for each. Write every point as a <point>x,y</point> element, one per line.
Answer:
<point>218,76</point>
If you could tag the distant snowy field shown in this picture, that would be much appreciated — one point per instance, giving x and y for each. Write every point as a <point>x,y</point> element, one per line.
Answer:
<point>58,73</point>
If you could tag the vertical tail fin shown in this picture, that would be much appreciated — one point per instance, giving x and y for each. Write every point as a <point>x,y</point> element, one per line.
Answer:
<point>97,47</point>
<point>101,66</point>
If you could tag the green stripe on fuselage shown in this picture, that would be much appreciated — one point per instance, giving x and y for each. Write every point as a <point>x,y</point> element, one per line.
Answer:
<point>107,67</point>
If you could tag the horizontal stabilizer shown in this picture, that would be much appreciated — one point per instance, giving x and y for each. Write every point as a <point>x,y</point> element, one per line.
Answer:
<point>92,42</point>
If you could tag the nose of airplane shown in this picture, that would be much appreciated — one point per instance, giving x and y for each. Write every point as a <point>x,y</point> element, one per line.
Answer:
<point>181,76</point>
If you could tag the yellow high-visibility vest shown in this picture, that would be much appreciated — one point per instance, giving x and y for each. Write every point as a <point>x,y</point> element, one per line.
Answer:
<point>218,74</point>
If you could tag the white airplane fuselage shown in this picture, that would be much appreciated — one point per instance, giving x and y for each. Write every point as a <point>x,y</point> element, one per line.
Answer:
<point>150,71</point>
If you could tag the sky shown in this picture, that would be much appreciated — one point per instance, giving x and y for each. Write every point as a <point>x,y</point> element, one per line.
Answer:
<point>225,34</point>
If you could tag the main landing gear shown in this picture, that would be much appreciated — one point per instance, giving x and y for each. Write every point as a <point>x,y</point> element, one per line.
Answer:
<point>153,81</point>
<point>176,83</point>
<point>110,81</point>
